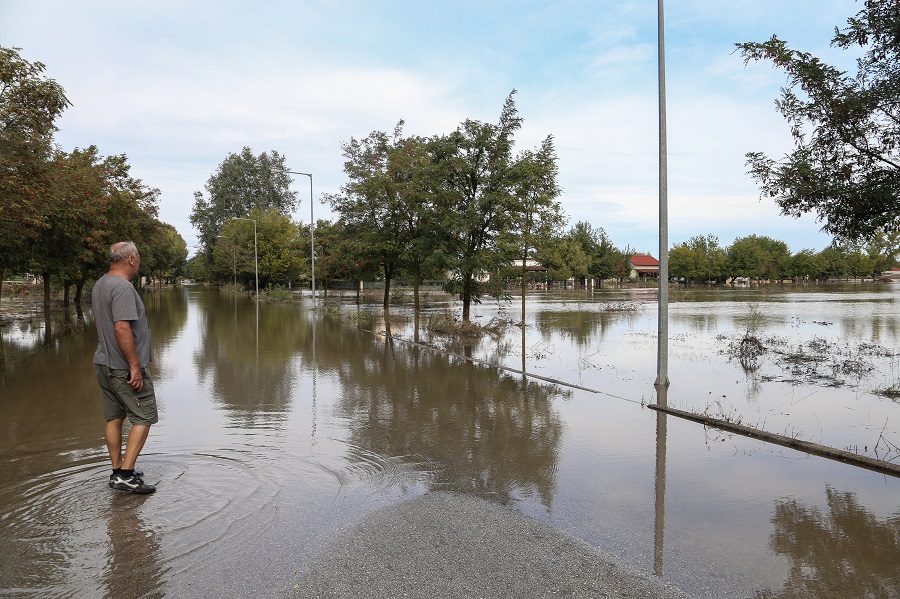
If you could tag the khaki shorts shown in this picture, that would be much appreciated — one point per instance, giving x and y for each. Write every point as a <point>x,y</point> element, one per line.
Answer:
<point>120,400</point>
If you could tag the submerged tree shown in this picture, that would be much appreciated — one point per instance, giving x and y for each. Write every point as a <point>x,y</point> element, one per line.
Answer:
<point>489,189</point>
<point>845,165</point>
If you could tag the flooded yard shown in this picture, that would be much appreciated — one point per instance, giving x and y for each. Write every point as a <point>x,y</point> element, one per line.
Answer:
<point>281,426</point>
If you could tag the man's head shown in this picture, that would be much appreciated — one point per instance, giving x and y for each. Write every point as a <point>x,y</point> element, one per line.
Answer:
<point>124,259</point>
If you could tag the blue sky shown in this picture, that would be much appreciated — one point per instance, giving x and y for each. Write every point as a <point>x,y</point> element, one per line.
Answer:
<point>176,86</point>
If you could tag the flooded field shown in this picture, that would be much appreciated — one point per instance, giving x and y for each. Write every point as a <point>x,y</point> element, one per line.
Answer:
<point>281,426</point>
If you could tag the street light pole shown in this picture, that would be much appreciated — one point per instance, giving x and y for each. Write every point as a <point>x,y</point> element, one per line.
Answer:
<point>662,344</point>
<point>312,229</point>
<point>255,254</point>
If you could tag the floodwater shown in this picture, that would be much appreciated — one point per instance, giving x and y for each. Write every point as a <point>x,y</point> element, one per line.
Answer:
<point>281,426</point>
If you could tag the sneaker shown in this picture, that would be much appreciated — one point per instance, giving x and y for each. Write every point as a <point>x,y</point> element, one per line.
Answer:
<point>113,476</point>
<point>135,484</point>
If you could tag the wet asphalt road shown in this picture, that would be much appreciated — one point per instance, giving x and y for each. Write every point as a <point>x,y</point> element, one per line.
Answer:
<point>449,545</point>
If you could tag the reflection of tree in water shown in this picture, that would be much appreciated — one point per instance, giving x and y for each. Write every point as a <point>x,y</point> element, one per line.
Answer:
<point>167,311</point>
<point>584,327</point>
<point>251,376</point>
<point>484,432</point>
<point>847,553</point>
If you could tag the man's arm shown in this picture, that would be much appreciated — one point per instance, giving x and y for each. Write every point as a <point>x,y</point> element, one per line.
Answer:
<point>125,339</point>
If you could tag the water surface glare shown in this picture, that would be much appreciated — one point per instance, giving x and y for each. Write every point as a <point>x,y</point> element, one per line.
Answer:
<point>281,427</point>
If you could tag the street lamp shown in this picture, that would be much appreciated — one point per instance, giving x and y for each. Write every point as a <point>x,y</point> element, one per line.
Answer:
<point>312,228</point>
<point>255,256</point>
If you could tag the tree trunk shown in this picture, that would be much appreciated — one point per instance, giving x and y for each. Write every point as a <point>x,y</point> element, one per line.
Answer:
<point>2,276</point>
<point>415,275</point>
<point>388,275</point>
<point>66,287</point>
<point>524,277</point>
<point>79,288</point>
<point>46,277</point>
<point>467,297</point>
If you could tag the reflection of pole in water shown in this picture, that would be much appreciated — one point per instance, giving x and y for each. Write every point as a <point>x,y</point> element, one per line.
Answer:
<point>523,347</point>
<point>314,368</point>
<point>659,528</point>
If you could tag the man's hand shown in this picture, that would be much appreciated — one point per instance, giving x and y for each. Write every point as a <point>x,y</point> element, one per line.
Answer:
<point>136,378</point>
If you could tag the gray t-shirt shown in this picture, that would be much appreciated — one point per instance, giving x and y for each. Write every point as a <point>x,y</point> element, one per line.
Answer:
<point>112,299</point>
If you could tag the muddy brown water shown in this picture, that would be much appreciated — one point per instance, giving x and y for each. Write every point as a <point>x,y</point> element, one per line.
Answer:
<point>281,426</point>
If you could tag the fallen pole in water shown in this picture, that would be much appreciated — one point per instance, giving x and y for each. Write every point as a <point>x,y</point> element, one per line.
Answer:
<point>798,444</point>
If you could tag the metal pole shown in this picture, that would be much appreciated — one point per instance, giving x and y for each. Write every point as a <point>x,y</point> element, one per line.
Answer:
<point>662,357</point>
<point>312,229</point>
<point>312,238</point>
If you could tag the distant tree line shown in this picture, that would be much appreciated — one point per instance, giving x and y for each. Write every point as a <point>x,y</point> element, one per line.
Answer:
<point>702,259</point>
<point>60,211</point>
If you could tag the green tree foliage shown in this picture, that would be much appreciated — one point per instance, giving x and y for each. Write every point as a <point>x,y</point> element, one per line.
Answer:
<point>163,252</point>
<point>243,183</point>
<point>92,202</point>
<point>699,259</point>
<point>386,200</point>
<point>277,250</point>
<point>564,258</point>
<point>807,264</point>
<point>30,103</point>
<point>538,215</point>
<point>606,261</point>
<point>479,158</point>
<point>462,202</point>
<point>758,257</point>
<point>196,268</point>
<point>846,128</point>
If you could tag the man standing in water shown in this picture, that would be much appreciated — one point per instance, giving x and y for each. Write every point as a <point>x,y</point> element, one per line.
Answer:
<point>121,359</point>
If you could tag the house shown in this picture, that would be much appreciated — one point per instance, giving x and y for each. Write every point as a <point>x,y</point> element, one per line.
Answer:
<point>644,267</point>
<point>890,275</point>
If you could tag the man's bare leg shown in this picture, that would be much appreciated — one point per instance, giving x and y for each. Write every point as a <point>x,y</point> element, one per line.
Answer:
<point>135,444</point>
<point>113,435</point>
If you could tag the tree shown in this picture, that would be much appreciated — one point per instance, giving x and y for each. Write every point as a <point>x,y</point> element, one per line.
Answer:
<point>846,129</point>
<point>30,103</point>
<point>698,259</point>
<point>482,178</point>
<point>884,250</point>
<point>276,251</point>
<point>860,265</point>
<point>243,182</point>
<point>386,200</point>
<point>564,258</point>
<point>92,202</point>
<point>834,263</point>
<point>163,251</point>
<point>806,264</point>
<point>539,215</point>
<point>606,261</point>
<point>758,257</point>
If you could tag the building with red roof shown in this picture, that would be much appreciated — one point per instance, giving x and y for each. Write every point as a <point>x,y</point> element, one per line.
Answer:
<point>644,266</point>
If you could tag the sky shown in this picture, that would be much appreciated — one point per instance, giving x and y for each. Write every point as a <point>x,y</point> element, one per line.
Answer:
<point>178,85</point>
